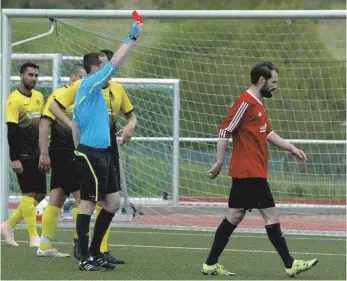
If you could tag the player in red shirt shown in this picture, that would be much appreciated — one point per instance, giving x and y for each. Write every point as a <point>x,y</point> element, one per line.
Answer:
<point>250,129</point>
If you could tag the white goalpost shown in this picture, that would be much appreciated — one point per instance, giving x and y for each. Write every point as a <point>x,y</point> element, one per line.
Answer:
<point>181,77</point>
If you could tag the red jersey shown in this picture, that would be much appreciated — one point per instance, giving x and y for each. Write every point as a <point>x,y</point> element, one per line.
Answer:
<point>248,125</point>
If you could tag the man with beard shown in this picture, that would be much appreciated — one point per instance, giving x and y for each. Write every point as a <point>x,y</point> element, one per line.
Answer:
<point>24,107</point>
<point>251,130</point>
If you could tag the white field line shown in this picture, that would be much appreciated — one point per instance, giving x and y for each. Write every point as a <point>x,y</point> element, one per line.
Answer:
<point>199,249</point>
<point>210,234</point>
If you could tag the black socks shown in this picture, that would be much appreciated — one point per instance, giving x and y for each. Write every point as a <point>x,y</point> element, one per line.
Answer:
<point>221,239</point>
<point>279,242</point>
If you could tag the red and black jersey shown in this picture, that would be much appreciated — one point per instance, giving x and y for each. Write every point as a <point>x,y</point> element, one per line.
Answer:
<point>248,125</point>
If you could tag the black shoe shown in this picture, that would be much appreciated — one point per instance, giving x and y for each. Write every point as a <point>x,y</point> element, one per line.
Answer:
<point>90,265</point>
<point>76,251</point>
<point>112,259</point>
<point>101,261</point>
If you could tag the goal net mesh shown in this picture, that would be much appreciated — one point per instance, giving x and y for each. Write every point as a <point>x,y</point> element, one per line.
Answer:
<point>212,60</point>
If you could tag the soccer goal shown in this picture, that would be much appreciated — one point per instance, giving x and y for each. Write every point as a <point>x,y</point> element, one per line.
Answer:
<point>182,76</point>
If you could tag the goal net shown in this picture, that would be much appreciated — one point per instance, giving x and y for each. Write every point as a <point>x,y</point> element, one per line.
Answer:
<point>212,61</point>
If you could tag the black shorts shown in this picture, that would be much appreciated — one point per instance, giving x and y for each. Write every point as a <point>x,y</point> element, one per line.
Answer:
<point>97,173</point>
<point>31,179</point>
<point>64,171</point>
<point>250,193</point>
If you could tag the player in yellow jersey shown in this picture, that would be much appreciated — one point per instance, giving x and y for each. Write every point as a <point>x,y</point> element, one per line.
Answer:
<point>24,107</point>
<point>117,101</point>
<point>57,152</point>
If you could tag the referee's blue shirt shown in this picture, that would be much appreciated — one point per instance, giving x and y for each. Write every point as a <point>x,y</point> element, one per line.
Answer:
<point>91,111</point>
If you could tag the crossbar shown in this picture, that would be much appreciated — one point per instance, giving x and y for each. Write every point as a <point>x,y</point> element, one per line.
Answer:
<point>177,14</point>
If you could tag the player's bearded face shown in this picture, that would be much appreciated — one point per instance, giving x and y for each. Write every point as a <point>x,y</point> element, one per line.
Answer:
<point>265,91</point>
<point>29,79</point>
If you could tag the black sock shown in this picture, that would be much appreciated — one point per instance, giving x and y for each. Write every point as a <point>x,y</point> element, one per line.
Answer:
<point>221,239</point>
<point>82,227</point>
<point>101,225</point>
<point>279,242</point>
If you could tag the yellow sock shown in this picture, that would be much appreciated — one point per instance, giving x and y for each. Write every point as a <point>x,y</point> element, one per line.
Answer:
<point>104,242</point>
<point>16,217</point>
<point>74,216</point>
<point>29,214</point>
<point>50,220</point>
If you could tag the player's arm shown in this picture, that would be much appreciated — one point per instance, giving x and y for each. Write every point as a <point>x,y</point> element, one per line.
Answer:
<point>13,134</point>
<point>44,132</point>
<point>59,113</point>
<point>62,100</point>
<point>127,131</point>
<point>230,124</point>
<point>277,141</point>
<point>76,133</point>
<point>127,110</point>
<point>222,145</point>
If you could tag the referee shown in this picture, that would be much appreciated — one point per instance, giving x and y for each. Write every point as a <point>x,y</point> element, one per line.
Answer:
<point>90,129</point>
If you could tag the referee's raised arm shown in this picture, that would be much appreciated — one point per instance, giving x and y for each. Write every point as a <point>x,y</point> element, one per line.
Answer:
<point>96,81</point>
<point>123,51</point>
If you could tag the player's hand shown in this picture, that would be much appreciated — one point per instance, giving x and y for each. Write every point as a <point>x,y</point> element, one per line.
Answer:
<point>125,134</point>
<point>299,154</point>
<point>17,167</point>
<point>44,163</point>
<point>214,171</point>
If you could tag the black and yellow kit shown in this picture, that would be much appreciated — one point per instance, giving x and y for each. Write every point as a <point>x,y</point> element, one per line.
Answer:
<point>61,150</point>
<point>23,118</point>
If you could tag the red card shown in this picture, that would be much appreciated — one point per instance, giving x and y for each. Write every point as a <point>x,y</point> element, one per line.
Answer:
<point>137,17</point>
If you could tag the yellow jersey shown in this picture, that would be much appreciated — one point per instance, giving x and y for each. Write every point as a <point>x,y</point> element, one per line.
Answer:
<point>116,98</point>
<point>61,135</point>
<point>25,111</point>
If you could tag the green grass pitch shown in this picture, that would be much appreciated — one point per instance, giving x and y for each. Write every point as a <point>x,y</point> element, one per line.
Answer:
<point>171,254</point>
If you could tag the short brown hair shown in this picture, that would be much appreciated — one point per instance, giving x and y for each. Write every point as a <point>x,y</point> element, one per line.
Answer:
<point>108,53</point>
<point>91,59</point>
<point>264,69</point>
<point>76,69</point>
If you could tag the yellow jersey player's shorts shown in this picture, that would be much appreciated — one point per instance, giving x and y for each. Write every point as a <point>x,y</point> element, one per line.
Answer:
<point>31,179</point>
<point>64,171</point>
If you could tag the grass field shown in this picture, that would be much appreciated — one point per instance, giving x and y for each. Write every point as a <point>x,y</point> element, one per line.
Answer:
<point>159,254</point>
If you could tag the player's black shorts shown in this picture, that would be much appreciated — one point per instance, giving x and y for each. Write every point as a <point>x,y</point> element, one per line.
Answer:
<point>64,171</point>
<point>250,193</point>
<point>31,179</point>
<point>97,173</point>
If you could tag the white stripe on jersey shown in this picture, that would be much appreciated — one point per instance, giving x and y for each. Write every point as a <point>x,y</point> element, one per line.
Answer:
<point>237,117</point>
<point>221,134</point>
